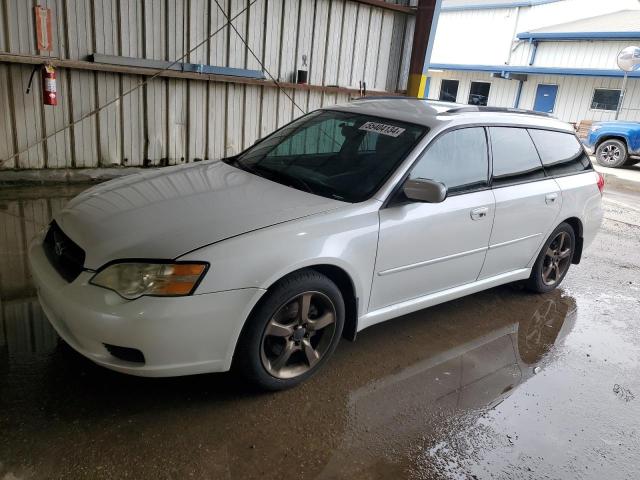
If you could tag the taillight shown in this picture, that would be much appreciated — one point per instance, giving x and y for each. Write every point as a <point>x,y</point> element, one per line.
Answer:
<point>600,182</point>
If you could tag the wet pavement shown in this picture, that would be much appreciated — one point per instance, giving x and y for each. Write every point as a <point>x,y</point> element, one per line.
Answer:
<point>501,384</point>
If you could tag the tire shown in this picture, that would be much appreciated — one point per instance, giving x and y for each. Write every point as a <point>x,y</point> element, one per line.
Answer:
<point>612,153</point>
<point>281,345</point>
<point>544,275</point>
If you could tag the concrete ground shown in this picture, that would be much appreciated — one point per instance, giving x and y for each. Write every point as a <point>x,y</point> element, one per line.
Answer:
<point>501,384</point>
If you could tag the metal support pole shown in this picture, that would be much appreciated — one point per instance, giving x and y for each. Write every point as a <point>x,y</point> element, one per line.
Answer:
<point>423,37</point>
<point>518,94</point>
<point>624,87</point>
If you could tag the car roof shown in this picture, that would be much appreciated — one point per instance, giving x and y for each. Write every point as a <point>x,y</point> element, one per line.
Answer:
<point>437,114</point>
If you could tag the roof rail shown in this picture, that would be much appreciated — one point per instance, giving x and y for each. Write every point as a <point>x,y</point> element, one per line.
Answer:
<point>475,108</point>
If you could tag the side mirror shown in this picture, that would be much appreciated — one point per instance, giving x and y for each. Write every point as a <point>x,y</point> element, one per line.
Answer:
<point>423,190</point>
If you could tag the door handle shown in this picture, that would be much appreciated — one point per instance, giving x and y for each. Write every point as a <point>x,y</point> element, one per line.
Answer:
<point>551,198</point>
<point>479,213</point>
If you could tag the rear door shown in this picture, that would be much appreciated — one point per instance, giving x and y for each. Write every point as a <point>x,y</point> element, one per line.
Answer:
<point>527,202</point>
<point>428,247</point>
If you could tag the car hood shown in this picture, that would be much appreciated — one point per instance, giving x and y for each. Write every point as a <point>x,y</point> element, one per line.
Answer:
<point>166,213</point>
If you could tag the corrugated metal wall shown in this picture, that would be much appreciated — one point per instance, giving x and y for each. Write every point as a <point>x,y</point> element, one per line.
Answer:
<point>574,98</point>
<point>571,54</point>
<point>177,120</point>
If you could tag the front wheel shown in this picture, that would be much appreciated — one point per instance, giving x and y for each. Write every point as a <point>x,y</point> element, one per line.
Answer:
<point>554,260</point>
<point>292,332</point>
<point>612,153</point>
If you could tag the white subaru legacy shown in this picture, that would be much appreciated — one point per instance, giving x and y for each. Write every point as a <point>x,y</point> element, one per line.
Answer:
<point>347,217</point>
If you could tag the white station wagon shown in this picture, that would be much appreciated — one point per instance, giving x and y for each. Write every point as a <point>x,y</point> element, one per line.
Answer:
<point>347,217</point>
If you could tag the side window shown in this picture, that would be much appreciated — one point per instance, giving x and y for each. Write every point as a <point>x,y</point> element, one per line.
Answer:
<point>458,159</point>
<point>561,153</point>
<point>515,158</point>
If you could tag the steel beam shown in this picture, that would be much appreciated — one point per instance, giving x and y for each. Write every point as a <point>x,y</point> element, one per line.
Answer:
<point>387,6</point>
<point>423,37</point>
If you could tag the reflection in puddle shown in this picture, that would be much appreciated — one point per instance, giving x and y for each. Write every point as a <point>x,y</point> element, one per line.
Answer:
<point>23,212</point>
<point>388,415</point>
<point>26,329</point>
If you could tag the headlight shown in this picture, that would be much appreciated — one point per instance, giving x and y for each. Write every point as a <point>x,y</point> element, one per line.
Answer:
<point>133,279</point>
<point>595,127</point>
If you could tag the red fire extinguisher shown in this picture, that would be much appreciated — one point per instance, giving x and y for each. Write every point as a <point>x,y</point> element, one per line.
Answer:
<point>49,88</point>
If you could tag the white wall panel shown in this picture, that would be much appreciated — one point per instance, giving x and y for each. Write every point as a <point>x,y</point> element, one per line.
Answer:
<point>373,44</point>
<point>347,41</point>
<point>384,51</point>
<point>479,37</point>
<point>361,46</point>
<point>555,13</point>
<point>573,102</point>
<point>334,37</point>
<point>582,54</point>
<point>484,37</point>
<point>575,95</point>
<point>217,110</point>
<point>502,93</point>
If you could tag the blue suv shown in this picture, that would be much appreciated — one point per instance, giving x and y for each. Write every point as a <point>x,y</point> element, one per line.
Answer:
<point>615,142</point>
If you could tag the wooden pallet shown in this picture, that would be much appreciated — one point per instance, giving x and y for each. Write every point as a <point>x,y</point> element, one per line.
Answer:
<point>583,127</point>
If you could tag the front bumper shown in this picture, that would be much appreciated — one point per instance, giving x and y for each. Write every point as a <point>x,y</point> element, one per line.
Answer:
<point>177,335</point>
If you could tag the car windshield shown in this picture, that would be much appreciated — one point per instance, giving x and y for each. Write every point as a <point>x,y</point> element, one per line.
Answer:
<point>339,155</point>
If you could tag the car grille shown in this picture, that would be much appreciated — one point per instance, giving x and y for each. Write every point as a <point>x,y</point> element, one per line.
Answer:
<point>63,253</point>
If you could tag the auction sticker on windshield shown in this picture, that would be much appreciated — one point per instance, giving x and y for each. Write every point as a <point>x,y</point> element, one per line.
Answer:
<point>382,128</point>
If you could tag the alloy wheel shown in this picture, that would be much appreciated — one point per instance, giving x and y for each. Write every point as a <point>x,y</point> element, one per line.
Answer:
<point>557,259</point>
<point>298,335</point>
<point>610,154</point>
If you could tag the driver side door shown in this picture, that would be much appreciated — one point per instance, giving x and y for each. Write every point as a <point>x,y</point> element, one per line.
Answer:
<point>425,248</point>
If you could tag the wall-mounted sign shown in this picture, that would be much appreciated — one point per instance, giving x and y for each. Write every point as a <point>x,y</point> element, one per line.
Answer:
<point>43,28</point>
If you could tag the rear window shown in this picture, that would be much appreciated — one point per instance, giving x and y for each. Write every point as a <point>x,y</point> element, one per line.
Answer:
<point>561,153</point>
<point>515,158</point>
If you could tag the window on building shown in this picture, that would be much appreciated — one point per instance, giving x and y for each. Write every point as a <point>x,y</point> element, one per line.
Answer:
<point>515,158</point>
<point>479,93</point>
<point>449,90</point>
<point>605,99</point>
<point>561,153</point>
<point>457,159</point>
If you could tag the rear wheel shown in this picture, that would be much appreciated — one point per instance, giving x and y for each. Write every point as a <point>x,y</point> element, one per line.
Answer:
<point>554,260</point>
<point>612,153</point>
<point>293,331</point>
